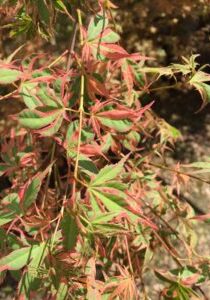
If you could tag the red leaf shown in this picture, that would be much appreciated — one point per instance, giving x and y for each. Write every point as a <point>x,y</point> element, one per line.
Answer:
<point>95,87</point>
<point>116,114</point>
<point>191,279</point>
<point>92,150</point>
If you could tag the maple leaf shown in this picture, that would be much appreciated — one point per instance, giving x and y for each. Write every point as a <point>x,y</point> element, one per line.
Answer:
<point>98,38</point>
<point>198,81</point>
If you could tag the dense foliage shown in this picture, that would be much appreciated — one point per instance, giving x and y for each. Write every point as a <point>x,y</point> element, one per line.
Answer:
<point>88,213</point>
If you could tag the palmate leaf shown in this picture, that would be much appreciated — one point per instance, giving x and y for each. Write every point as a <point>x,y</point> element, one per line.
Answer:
<point>28,91</point>
<point>31,279</point>
<point>96,26</point>
<point>86,165</point>
<point>31,119</point>
<point>103,218</point>
<point>98,37</point>
<point>118,125</point>
<point>114,203</point>
<point>46,120</point>
<point>198,81</point>
<point>106,174</point>
<point>103,181</point>
<point>9,75</point>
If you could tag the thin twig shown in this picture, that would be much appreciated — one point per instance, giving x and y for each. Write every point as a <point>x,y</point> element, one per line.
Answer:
<point>178,172</point>
<point>81,107</point>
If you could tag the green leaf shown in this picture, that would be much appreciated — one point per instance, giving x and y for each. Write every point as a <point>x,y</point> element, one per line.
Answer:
<point>31,279</point>
<point>31,119</point>
<point>113,203</point>
<point>31,192</point>
<point>19,258</point>
<point>108,229</point>
<point>94,203</point>
<point>204,90</point>
<point>201,165</point>
<point>111,37</point>
<point>88,166</point>
<point>46,98</point>
<point>70,231</point>
<point>6,217</point>
<point>200,77</point>
<point>54,128</point>
<point>198,82</point>
<point>12,201</point>
<point>73,126</point>
<point>108,173</point>
<point>9,76</point>
<point>104,218</point>
<point>28,91</point>
<point>12,208</point>
<point>60,5</point>
<point>118,125</point>
<point>62,292</point>
<point>96,26</point>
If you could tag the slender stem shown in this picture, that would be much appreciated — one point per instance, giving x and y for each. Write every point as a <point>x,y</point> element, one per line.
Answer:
<point>81,106</point>
<point>76,111</point>
<point>166,87</point>
<point>56,228</point>
<point>176,171</point>
<point>80,24</point>
<point>80,125</point>
<point>56,60</point>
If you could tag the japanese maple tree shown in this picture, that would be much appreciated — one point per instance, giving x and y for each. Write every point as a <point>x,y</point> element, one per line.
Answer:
<point>87,213</point>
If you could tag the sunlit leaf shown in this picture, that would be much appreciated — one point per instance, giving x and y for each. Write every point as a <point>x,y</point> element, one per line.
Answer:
<point>19,258</point>
<point>9,75</point>
<point>97,24</point>
<point>108,173</point>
